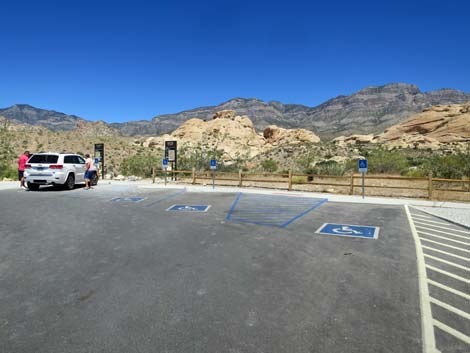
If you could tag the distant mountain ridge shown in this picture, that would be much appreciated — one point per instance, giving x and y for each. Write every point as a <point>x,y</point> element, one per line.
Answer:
<point>27,114</point>
<point>370,110</point>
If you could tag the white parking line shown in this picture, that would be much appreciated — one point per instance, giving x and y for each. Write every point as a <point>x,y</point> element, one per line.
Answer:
<point>452,331</point>
<point>449,274</point>
<point>447,262</point>
<point>449,289</point>
<point>416,215</point>
<point>427,328</point>
<point>446,245</point>
<point>450,308</point>
<point>446,253</point>
<point>440,231</point>
<point>427,221</point>
<point>441,237</point>
<point>455,230</point>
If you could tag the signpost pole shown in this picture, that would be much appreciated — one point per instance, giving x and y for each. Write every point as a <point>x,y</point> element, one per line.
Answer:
<point>213,167</point>
<point>363,186</point>
<point>362,166</point>
<point>165,167</point>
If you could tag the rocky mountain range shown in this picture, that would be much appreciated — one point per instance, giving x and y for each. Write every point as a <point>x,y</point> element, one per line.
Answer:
<point>27,114</point>
<point>368,111</point>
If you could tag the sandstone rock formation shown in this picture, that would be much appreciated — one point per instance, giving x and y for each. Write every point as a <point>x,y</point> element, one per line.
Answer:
<point>234,134</point>
<point>430,129</point>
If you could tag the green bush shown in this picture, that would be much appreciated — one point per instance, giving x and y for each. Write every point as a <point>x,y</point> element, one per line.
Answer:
<point>269,165</point>
<point>454,166</point>
<point>141,165</point>
<point>328,168</point>
<point>387,162</point>
<point>8,171</point>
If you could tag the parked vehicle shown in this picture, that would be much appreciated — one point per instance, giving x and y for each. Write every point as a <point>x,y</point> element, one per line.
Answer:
<point>58,169</point>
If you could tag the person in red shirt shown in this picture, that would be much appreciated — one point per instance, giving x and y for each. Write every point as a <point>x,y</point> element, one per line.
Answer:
<point>21,166</point>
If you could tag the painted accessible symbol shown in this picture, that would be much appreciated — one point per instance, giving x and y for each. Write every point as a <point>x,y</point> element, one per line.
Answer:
<point>346,230</point>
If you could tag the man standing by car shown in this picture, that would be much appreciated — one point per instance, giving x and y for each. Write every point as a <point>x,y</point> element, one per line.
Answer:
<point>90,172</point>
<point>21,167</point>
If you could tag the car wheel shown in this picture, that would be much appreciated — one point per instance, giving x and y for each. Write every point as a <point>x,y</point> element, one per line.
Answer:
<point>33,187</point>
<point>70,182</point>
<point>94,181</point>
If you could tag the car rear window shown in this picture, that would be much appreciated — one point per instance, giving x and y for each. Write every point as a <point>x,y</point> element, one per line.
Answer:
<point>44,158</point>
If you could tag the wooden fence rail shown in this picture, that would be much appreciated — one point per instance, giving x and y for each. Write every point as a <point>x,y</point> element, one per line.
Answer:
<point>376,185</point>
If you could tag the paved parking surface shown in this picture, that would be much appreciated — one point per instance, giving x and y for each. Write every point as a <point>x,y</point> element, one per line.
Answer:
<point>446,256</point>
<point>111,270</point>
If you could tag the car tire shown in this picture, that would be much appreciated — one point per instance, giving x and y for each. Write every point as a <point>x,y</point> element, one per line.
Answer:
<point>94,181</point>
<point>33,187</point>
<point>70,182</point>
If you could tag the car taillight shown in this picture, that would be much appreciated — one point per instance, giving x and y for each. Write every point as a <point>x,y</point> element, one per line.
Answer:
<point>56,166</point>
<point>27,166</point>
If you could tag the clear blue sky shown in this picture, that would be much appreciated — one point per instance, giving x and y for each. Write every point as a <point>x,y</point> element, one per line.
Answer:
<point>121,61</point>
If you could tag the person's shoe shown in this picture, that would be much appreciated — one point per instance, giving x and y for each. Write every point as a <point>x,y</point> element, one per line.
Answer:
<point>23,187</point>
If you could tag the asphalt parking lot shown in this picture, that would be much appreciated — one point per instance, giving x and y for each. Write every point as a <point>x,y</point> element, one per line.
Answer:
<point>123,269</point>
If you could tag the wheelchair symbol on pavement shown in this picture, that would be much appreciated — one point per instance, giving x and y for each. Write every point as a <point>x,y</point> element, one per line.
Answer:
<point>189,208</point>
<point>346,230</point>
<point>349,230</point>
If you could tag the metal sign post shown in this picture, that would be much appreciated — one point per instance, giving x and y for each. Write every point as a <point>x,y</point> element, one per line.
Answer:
<point>362,166</point>
<point>165,167</point>
<point>213,167</point>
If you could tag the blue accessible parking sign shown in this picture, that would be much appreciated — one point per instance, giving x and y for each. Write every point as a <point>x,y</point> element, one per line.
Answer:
<point>362,165</point>
<point>348,230</point>
<point>189,208</point>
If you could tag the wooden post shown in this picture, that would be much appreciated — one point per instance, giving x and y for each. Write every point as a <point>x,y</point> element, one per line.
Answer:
<point>153,175</point>
<point>351,190</point>
<point>290,181</point>
<point>194,176</point>
<point>430,186</point>
<point>240,178</point>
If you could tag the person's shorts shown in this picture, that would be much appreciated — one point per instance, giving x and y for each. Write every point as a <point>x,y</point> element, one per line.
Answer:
<point>20,174</point>
<point>89,174</point>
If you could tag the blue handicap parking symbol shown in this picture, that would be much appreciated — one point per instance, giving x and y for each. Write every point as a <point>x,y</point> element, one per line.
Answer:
<point>362,165</point>
<point>349,230</point>
<point>128,199</point>
<point>189,208</point>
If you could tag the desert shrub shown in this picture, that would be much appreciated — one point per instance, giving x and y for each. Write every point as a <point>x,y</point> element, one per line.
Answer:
<point>382,161</point>
<point>454,166</point>
<point>328,168</point>
<point>8,171</point>
<point>199,157</point>
<point>269,165</point>
<point>140,165</point>
<point>414,172</point>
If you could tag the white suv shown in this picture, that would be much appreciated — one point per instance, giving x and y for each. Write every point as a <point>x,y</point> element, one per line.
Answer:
<point>65,169</point>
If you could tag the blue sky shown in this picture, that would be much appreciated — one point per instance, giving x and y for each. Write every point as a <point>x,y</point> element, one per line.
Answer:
<point>130,60</point>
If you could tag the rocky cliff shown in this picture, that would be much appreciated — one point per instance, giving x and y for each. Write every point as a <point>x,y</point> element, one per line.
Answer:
<point>233,133</point>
